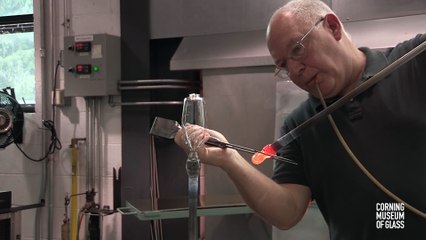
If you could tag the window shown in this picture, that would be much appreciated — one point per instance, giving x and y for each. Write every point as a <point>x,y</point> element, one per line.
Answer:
<point>17,61</point>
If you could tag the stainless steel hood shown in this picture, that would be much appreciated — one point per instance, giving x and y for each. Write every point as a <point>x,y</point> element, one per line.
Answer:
<point>239,49</point>
<point>386,32</point>
<point>245,49</point>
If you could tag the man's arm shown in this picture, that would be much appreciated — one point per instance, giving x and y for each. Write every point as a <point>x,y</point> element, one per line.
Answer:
<point>281,205</point>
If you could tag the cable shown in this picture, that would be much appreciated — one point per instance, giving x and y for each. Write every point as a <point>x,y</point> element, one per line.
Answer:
<point>54,89</point>
<point>55,143</point>
<point>361,166</point>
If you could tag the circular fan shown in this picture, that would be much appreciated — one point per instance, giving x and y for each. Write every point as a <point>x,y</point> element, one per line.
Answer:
<point>11,120</point>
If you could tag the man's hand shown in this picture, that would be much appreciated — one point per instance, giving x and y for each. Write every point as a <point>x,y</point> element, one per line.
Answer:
<point>195,137</point>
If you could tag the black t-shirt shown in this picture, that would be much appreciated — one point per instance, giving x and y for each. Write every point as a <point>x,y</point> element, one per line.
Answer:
<point>385,127</point>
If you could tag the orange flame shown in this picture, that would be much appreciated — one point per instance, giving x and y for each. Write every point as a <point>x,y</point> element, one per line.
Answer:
<point>261,156</point>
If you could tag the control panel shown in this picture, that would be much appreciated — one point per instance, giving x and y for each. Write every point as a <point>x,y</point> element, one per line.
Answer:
<point>92,65</point>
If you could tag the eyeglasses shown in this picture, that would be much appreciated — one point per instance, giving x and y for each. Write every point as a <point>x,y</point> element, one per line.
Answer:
<point>297,52</point>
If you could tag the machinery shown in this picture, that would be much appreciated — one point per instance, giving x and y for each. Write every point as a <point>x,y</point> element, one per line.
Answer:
<point>11,118</point>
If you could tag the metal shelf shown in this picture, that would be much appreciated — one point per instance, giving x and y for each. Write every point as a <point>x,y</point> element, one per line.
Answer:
<point>176,208</point>
<point>154,84</point>
<point>150,84</point>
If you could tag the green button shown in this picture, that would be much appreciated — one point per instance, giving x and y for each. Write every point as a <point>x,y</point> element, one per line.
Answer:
<point>95,68</point>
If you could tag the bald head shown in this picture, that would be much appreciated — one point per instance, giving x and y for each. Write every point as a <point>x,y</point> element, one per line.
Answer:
<point>308,11</point>
<point>296,13</point>
<point>312,27</point>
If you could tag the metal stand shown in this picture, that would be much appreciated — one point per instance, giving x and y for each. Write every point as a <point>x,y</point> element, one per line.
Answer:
<point>193,113</point>
<point>193,171</point>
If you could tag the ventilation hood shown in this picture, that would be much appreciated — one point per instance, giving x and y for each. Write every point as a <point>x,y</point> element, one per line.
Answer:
<point>246,49</point>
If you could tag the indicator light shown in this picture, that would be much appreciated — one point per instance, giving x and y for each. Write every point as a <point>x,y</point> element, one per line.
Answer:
<point>83,47</point>
<point>95,68</point>
<point>83,69</point>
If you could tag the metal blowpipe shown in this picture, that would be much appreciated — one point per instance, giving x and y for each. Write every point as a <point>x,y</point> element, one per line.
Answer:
<point>167,128</point>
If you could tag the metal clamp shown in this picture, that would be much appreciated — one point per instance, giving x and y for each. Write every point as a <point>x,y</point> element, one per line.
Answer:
<point>128,211</point>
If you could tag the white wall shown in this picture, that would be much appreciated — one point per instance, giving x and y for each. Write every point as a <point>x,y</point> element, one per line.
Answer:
<point>88,17</point>
<point>24,177</point>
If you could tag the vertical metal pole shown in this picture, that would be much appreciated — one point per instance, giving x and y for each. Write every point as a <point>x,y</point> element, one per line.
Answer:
<point>193,171</point>
<point>193,113</point>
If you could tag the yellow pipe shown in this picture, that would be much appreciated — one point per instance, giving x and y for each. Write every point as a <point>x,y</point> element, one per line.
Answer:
<point>74,187</point>
<point>74,190</point>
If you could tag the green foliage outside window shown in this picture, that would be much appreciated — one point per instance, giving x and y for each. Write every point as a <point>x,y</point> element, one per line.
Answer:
<point>17,53</point>
<point>16,7</point>
<point>17,64</point>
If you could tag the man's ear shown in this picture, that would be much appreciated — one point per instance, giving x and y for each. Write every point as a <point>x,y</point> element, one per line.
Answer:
<point>333,24</point>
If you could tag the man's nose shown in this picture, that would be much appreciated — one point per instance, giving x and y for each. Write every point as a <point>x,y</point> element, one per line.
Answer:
<point>295,67</point>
